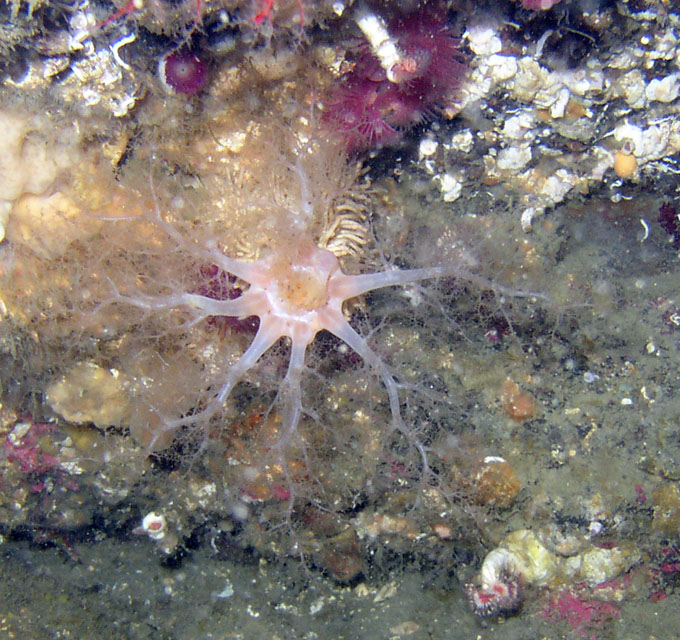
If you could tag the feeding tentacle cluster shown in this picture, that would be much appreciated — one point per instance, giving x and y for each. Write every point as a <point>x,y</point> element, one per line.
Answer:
<point>296,292</point>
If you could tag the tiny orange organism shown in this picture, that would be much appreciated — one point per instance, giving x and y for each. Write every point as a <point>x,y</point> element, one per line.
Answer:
<point>519,404</point>
<point>496,482</point>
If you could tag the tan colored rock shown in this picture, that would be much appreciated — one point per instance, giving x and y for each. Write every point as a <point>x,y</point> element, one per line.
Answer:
<point>89,393</point>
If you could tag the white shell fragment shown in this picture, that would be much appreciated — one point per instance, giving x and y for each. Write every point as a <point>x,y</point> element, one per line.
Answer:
<point>663,89</point>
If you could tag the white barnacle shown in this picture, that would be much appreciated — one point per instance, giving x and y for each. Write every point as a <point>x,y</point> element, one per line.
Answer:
<point>155,525</point>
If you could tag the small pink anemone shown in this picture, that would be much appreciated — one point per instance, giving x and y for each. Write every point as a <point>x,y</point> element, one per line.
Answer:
<point>182,71</point>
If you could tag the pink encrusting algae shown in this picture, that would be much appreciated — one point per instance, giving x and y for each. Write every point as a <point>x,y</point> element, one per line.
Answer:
<point>583,617</point>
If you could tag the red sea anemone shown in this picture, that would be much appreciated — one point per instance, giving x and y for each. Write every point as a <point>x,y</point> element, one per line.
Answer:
<point>182,71</point>
<point>429,54</point>
<point>361,113</point>
<point>373,106</point>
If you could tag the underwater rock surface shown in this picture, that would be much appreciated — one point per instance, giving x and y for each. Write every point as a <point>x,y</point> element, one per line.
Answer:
<point>257,373</point>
